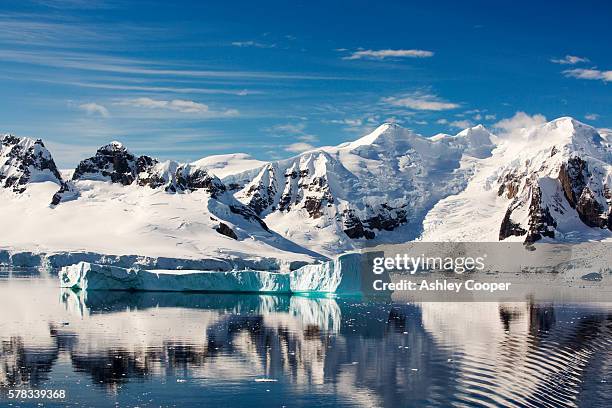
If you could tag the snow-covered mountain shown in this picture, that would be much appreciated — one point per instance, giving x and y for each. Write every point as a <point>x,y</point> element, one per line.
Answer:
<point>24,161</point>
<point>340,197</point>
<point>551,182</point>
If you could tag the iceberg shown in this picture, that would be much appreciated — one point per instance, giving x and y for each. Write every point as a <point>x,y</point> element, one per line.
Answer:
<point>348,274</point>
<point>88,276</point>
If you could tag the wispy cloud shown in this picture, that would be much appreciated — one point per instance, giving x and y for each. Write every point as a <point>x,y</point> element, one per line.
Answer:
<point>592,74</point>
<point>420,101</point>
<point>569,60</point>
<point>254,44</point>
<point>460,124</point>
<point>93,108</point>
<point>591,116</point>
<point>176,105</point>
<point>103,63</point>
<point>299,147</point>
<point>382,54</point>
<point>293,130</point>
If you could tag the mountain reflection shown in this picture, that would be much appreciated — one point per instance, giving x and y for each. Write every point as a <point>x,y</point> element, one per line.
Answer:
<point>370,352</point>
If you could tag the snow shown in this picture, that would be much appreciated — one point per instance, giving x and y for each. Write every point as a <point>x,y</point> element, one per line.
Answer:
<point>476,212</point>
<point>88,276</point>
<point>224,165</point>
<point>115,220</point>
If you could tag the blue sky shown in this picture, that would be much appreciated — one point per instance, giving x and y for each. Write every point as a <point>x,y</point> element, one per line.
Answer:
<point>184,79</point>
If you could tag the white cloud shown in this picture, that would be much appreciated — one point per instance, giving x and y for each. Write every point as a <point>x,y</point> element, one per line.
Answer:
<point>254,44</point>
<point>518,123</point>
<point>592,74</point>
<point>176,105</point>
<point>460,124</point>
<point>298,147</point>
<point>93,108</point>
<point>490,117</point>
<point>382,54</point>
<point>296,130</point>
<point>591,116</point>
<point>442,121</point>
<point>569,60</point>
<point>419,101</point>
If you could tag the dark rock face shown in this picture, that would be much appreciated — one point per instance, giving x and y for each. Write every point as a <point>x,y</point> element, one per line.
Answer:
<point>248,214</point>
<point>188,178</point>
<point>25,160</point>
<point>353,227</point>
<point>146,174</point>
<point>590,211</point>
<point>261,194</point>
<point>224,229</point>
<point>573,176</point>
<point>509,228</point>
<point>509,184</point>
<point>541,223</point>
<point>113,162</point>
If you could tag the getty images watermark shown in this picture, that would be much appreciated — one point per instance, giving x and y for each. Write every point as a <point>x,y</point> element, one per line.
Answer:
<point>411,265</point>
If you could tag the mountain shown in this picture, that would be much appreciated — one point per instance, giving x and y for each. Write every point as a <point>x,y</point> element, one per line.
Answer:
<point>24,161</point>
<point>339,198</point>
<point>117,203</point>
<point>550,182</point>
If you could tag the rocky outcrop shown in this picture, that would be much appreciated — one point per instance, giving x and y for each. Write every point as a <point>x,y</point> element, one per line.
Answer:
<point>23,161</point>
<point>112,162</point>
<point>191,178</point>
<point>224,229</point>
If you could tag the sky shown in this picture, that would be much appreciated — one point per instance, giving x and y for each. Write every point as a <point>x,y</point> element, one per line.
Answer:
<point>187,79</point>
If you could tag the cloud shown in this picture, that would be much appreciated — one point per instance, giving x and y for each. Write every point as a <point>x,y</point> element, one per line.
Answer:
<point>442,121</point>
<point>179,105</point>
<point>298,147</point>
<point>295,130</point>
<point>569,60</point>
<point>93,108</point>
<point>176,105</point>
<point>592,74</point>
<point>382,54</point>
<point>490,117</point>
<point>460,124</point>
<point>591,116</point>
<point>518,123</point>
<point>254,44</point>
<point>419,101</point>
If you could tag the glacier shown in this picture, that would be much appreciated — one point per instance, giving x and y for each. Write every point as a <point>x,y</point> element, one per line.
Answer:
<point>345,275</point>
<point>87,276</point>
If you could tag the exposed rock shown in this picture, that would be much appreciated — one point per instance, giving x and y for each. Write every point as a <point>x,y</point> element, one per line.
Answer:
<point>590,211</point>
<point>24,160</point>
<point>224,229</point>
<point>191,178</point>
<point>572,176</point>
<point>112,162</point>
<point>353,227</point>
<point>510,228</point>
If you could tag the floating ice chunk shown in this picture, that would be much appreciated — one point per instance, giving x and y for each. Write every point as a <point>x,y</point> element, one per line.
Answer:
<point>89,276</point>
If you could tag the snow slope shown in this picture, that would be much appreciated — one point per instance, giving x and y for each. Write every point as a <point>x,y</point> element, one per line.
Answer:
<point>549,182</point>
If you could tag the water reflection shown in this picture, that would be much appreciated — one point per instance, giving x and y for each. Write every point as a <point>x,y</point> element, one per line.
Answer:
<point>332,351</point>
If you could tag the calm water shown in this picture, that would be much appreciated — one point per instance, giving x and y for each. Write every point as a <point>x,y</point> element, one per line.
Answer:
<point>193,350</point>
